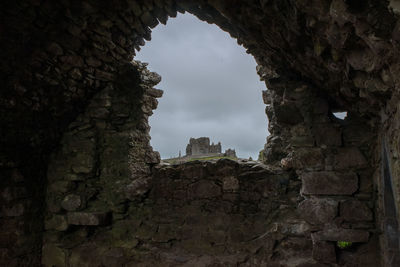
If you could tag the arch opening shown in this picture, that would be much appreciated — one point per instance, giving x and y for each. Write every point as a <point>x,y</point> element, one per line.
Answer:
<point>211,89</point>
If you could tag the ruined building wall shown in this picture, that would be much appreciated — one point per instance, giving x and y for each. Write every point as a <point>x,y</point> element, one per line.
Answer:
<point>201,146</point>
<point>104,161</point>
<point>215,148</point>
<point>61,59</point>
<point>230,153</point>
<point>333,159</point>
<point>198,146</point>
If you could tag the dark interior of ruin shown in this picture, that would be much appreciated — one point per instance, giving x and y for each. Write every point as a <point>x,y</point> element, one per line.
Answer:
<point>80,184</point>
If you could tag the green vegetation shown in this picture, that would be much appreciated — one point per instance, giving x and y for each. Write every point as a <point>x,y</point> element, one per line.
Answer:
<point>182,160</point>
<point>261,156</point>
<point>344,244</point>
<point>212,158</point>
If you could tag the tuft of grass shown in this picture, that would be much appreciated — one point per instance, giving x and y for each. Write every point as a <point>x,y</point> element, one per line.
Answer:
<point>344,244</point>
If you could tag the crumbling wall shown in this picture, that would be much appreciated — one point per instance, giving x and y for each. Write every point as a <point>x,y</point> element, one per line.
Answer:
<point>198,146</point>
<point>334,160</point>
<point>194,214</point>
<point>104,156</point>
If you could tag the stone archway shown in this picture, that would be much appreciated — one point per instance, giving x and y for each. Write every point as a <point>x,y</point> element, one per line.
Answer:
<point>63,60</point>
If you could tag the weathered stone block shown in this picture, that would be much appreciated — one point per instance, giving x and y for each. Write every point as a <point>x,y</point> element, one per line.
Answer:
<point>354,210</point>
<point>301,136</point>
<point>88,218</point>
<point>324,252</point>
<point>72,202</point>
<point>339,234</point>
<point>329,183</point>
<point>308,158</point>
<point>266,95</point>
<point>154,92</point>
<point>349,158</point>
<point>318,211</point>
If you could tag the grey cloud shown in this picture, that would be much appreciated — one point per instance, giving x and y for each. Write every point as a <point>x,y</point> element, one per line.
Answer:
<point>210,89</point>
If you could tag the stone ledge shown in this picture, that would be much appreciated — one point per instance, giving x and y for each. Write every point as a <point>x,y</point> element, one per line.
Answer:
<point>339,234</point>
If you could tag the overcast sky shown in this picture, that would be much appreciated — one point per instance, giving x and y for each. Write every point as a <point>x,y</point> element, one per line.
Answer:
<point>211,88</point>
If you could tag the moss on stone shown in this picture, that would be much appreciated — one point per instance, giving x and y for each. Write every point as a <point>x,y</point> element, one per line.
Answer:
<point>344,244</point>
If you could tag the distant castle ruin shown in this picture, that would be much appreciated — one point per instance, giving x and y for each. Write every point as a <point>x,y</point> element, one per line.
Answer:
<point>202,147</point>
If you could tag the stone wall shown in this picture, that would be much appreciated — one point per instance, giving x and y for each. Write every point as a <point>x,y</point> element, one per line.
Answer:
<point>335,161</point>
<point>181,219</point>
<point>72,107</point>
<point>105,155</point>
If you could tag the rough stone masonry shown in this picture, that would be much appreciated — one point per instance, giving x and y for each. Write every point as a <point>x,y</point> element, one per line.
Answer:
<point>81,186</point>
